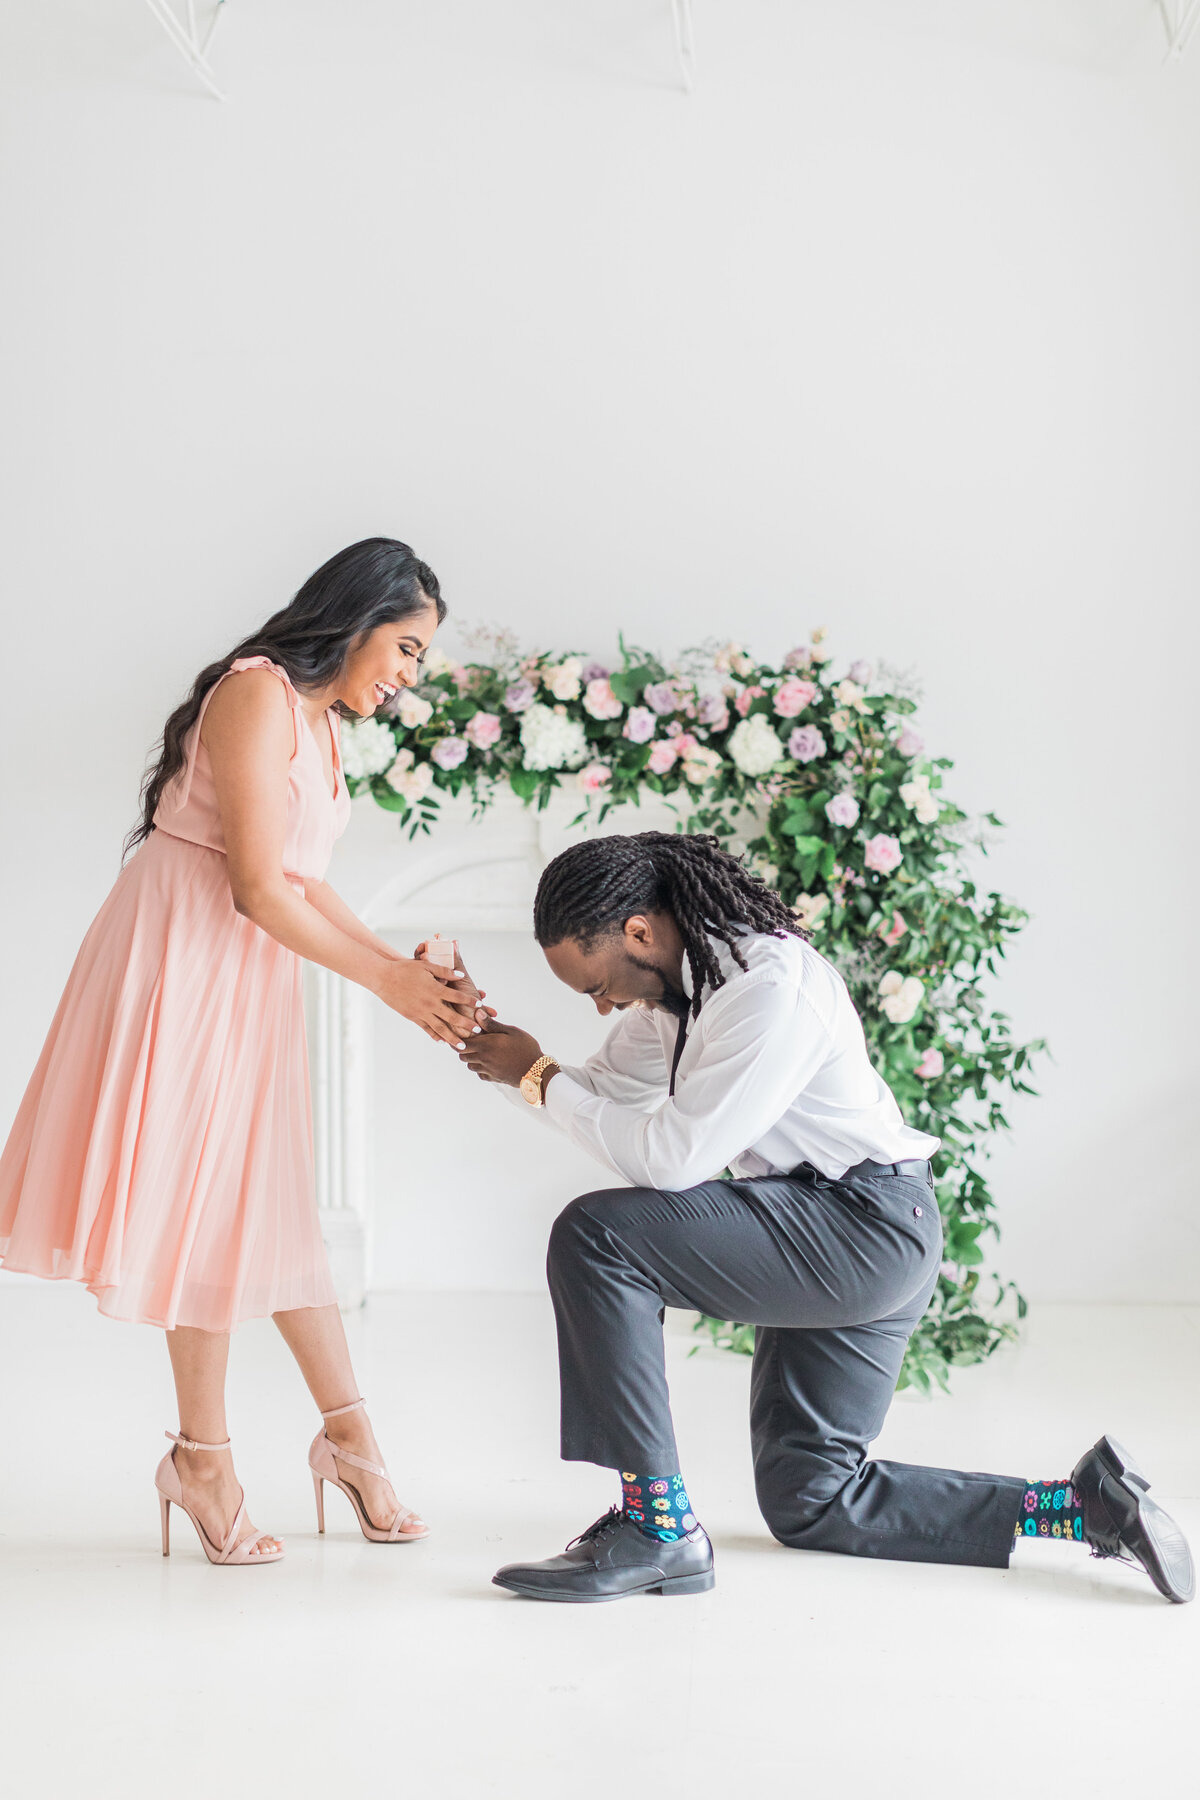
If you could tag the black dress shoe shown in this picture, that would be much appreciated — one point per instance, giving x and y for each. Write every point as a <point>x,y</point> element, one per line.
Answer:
<point>1120,1520</point>
<point>613,1558</point>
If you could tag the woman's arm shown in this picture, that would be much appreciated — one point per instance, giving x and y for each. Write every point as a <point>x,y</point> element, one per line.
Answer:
<point>248,732</point>
<point>331,906</point>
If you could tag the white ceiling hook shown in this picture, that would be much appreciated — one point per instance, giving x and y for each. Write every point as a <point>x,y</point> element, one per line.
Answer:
<point>682,11</point>
<point>184,32</point>
<point>1180,18</point>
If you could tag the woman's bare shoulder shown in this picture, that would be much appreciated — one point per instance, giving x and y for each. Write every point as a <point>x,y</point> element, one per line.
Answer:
<point>250,701</point>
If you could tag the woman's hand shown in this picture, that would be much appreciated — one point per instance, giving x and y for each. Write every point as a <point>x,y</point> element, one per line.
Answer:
<point>469,996</point>
<point>422,992</point>
<point>501,1053</point>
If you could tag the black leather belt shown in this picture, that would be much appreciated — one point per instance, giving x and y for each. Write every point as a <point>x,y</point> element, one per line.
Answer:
<point>920,1168</point>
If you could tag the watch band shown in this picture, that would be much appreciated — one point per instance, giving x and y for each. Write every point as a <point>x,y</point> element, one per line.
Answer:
<point>539,1068</point>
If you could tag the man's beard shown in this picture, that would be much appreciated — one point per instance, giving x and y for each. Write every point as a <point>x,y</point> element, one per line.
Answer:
<point>672,999</point>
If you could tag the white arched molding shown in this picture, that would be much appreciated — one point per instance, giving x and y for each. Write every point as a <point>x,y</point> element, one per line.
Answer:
<point>466,875</point>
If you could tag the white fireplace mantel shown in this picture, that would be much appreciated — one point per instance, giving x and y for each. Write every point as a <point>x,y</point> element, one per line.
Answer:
<point>466,875</point>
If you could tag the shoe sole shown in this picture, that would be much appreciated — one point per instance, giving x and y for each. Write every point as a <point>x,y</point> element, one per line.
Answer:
<point>1158,1545</point>
<point>680,1584</point>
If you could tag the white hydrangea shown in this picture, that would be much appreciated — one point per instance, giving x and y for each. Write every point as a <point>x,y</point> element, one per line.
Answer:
<point>368,748</point>
<point>550,740</point>
<point>754,747</point>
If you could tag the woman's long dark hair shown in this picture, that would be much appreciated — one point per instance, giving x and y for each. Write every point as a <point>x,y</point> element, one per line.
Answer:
<point>372,583</point>
<point>591,889</point>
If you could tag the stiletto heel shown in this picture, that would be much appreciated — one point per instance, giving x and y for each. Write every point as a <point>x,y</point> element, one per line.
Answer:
<point>230,1554</point>
<point>323,1458</point>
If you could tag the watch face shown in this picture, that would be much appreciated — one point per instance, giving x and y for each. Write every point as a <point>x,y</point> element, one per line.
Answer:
<point>530,1090</point>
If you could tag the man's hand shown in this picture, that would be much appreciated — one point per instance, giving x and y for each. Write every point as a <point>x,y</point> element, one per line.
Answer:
<point>501,1053</point>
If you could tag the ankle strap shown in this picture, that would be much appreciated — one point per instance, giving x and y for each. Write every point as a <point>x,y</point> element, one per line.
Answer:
<point>336,1411</point>
<point>191,1444</point>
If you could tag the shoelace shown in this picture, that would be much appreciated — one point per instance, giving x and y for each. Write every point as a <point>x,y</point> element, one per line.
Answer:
<point>597,1528</point>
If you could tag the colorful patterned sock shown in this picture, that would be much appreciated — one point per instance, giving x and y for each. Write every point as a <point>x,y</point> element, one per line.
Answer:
<point>657,1504</point>
<point>1050,1509</point>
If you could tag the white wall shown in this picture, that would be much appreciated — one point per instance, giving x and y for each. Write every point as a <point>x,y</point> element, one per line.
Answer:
<point>892,327</point>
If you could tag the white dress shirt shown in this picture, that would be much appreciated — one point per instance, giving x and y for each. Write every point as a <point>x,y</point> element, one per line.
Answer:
<point>774,1072</point>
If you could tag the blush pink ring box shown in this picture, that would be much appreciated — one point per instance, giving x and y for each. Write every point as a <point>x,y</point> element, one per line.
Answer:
<point>443,951</point>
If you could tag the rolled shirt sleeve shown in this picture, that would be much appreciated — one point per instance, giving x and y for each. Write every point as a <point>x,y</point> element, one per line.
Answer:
<point>758,1043</point>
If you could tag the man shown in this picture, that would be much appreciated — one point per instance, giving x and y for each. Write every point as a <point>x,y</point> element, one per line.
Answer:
<point>737,1046</point>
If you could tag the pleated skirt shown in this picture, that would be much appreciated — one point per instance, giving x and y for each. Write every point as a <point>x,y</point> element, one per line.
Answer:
<point>162,1154</point>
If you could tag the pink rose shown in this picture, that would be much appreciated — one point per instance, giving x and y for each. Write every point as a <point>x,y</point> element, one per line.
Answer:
<point>842,810</point>
<point>893,933</point>
<point>600,701</point>
<point>448,752</point>
<point>683,744</point>
<point>662,755</point>
<point>793,696</point>
<point>931,1064</point>
<point>640,725</point>
<point>910,742</point>
<point>483,730</point>
<point>746,699</point>
<point>883,853</point>
<point>806,743</point>
<point>594,777</point>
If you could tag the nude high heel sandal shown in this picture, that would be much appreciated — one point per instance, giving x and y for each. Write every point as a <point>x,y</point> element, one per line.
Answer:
<point>230,1554</point>
<point>324,1468</point>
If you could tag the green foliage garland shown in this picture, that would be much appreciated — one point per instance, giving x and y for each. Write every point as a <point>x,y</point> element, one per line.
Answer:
<point>823,784</point>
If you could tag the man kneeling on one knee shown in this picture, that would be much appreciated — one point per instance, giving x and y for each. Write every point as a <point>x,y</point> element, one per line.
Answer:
<point>738,1047</point>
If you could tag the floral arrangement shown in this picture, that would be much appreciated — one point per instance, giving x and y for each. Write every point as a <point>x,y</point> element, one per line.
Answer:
<point>823,783</point>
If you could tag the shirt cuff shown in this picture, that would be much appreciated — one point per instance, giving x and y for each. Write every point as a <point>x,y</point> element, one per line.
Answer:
<point>564,1097</point>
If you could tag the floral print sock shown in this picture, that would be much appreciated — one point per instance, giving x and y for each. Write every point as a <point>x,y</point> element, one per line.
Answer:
<point>657,1504</point>
<point>1050,1509</point>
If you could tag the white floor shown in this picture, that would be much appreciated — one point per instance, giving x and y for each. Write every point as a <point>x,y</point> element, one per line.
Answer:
<point>372,1670</point>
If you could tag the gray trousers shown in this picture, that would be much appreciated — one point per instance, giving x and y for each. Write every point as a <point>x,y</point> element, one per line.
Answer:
<point>835,1275</point>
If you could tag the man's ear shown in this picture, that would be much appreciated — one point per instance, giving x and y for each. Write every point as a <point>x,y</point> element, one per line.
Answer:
<point>639,930</point>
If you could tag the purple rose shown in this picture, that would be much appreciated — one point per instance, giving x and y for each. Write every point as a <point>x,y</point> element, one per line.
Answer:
<point>806,743</point>
<point>595,672</point>
<point>842,810</point>
<point>662,697</point>
<point>640,725</point>
<point>713,711</point>
<point>520,695</point>
<point>861,672</point>
<point>448,752</point>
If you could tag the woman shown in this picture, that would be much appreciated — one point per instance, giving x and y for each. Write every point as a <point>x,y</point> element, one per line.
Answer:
<point>163,1151</point>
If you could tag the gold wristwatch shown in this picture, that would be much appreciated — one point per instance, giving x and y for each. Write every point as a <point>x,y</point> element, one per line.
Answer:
<point>531,1081</point>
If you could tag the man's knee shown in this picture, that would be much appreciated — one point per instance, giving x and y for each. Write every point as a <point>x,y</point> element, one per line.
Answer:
<point>584,1229</point>
<point>795,1499</point>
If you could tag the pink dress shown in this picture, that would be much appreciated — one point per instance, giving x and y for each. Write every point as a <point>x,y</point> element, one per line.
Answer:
<point>163,1151</point>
